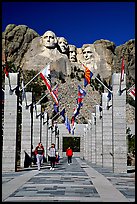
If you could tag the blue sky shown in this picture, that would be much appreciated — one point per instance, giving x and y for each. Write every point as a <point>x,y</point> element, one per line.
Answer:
<point>79,22</point>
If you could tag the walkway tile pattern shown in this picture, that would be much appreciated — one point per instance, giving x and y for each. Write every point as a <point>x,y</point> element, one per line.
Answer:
<point>67,183</point>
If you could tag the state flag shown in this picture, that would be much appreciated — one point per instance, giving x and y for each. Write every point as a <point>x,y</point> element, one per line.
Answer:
<point>46,77</point>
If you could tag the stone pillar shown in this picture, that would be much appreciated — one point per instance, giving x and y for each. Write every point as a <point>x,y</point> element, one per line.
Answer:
<point>119,125</point>
<point>82,142</point>
<point>89,140</point>
<point>26,140</point>
<point>86,142</point>
<point>50,129</point>
<point>56,135</point>
<point>10,125</point>
<point>44,138</point>
<point>93,140</point>
<point>107,132</point>
<point>61,133</point>
<point>36,126</point>
<point>53,135</point>
<point>84,146</point>
<point>98,132</point>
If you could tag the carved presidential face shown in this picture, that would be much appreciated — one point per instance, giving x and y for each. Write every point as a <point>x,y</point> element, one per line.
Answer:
<point>49,39</point>
<point>72,53</point>
<point>87,53</point>
<point>63,44</point>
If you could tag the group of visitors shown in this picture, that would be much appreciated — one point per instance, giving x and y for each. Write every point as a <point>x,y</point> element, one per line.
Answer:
<point>53,155</point>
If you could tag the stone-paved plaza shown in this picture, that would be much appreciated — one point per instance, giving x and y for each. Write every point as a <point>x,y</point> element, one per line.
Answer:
<point>79,182</point>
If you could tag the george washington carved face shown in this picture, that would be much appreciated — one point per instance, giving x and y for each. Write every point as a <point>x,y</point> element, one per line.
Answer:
<point>49,40</point>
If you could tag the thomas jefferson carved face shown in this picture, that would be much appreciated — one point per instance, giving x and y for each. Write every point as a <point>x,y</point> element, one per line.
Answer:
<point>63,44</point>
<point>72,53</point>
<point>49,39</point>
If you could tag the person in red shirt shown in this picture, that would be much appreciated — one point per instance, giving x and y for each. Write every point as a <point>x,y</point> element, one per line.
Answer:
<point>39,152</point>
<point>69,153</point>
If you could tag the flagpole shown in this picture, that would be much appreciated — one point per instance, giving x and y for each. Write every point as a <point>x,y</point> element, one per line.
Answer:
<point>24,89</point>
<point>41,99</point>
<point>120,86</point>
<point>34,77</point>
<point>130,88</point>
<point>103,85</point>
<point>99,80</point>
<point>96,102</point>
<point>30,80</point>
<point>56,114</point>
<point>121,75</point>
<point>6,61</point>
<point>46,94</point>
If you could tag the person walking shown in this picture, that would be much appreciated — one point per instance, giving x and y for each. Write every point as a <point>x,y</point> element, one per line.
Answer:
<point>39,152</point>
<point>69,153</point>
<point>52,156</point>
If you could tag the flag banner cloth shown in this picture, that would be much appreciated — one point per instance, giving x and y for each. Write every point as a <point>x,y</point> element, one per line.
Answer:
<point>56,108</point>
<point>81,94</point>
<point>62,113</point>
<point>6,69</point>
<point>67,123</point>
<point>87,76</point>
<point>109,94</point>
<point>122,70</point>
<point>54,94</point>
<point>46,77</point>
<point>77,109</point>
<point>73,125</point>
<point>131,92</point>
<point>122,75</point>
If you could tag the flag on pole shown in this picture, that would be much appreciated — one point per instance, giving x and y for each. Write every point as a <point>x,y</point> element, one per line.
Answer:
<point>87,76</point>
<point>46,77</point>
<point>67,123</point>
<point>56,108</point>
<point>122,75</point>
<point>77,109</point>
<point>62,113</point>
<point>81,94</point>
<point>73,124</point>
<point>131,92</point>
<point>122,70</point>
<point>54,94</point>
<point>109,94</point>
<point>6,69</point>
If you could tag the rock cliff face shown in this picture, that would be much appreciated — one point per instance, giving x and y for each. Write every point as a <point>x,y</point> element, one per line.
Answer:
<point>23,48</point>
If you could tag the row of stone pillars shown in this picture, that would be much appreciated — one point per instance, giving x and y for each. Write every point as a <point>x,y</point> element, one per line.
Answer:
<point>104,136</point>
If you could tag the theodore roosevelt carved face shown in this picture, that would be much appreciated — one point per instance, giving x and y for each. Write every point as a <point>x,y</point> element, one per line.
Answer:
<point>72,53</point>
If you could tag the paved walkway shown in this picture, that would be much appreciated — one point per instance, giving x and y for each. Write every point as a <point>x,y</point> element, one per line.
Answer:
<point>77,182</point>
